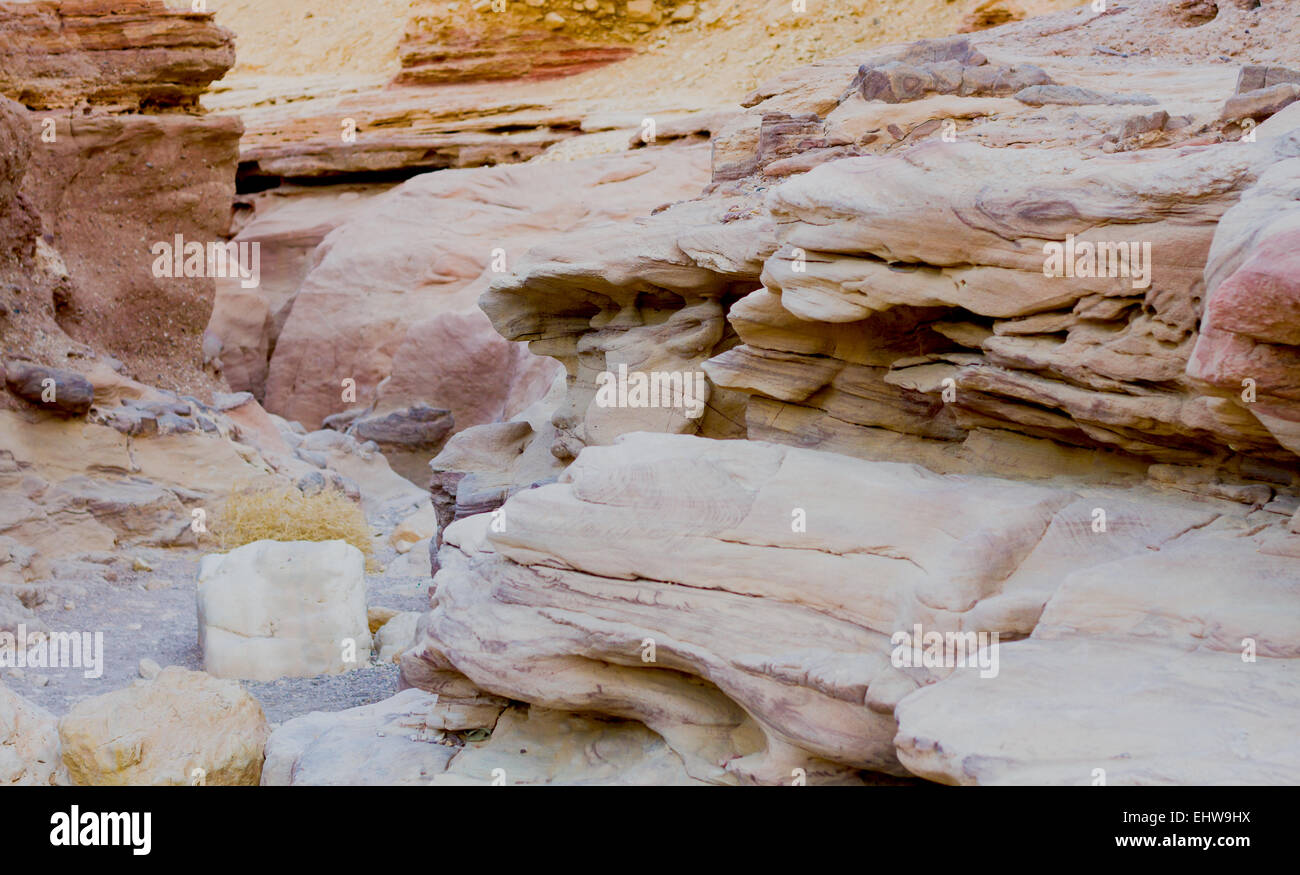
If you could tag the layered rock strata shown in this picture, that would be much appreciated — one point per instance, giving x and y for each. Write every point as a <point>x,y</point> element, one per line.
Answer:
<point>127,54</point>
<point>510,43</point>
<point>746,600</point>
<point>938,291</point>
<point>991,255</point>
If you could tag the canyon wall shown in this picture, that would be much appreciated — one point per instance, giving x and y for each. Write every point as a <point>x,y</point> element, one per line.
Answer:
<point>122,161</point>
<point>922,419</point>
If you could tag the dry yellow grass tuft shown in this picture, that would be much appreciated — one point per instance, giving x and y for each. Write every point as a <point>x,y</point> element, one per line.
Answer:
<point>287,514</point>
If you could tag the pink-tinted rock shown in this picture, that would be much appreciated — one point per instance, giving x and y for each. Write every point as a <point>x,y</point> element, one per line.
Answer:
<point>428,248</point>
<point>459,359</point>
<point>1262,299</point>
<point>287,224</point>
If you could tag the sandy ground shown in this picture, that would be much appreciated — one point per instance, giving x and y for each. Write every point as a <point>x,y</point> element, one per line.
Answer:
<point>732,46</point>
<point>152,614</point>
<point>721,55</point>
<point>301,37</point>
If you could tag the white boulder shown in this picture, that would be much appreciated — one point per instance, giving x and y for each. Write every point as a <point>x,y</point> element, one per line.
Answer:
<point>275,609</point>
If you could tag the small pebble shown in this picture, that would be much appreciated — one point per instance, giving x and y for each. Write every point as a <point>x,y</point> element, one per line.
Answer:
<point>149,669</point>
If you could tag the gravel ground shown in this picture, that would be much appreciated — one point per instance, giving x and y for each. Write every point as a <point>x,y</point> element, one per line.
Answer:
<point>150,613</point>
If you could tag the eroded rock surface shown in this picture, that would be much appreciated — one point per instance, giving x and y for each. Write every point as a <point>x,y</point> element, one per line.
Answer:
<point>481,221</point>
<point>986,255</point>
<point>766,543</point>
<point>122,53</point>
<point>915,297</point>
<point>1247,347</point>
<point>181,728</point>
<point>114,171</point>
<point>886,291</point>
<point>397,743</point>
<point>535,40</point>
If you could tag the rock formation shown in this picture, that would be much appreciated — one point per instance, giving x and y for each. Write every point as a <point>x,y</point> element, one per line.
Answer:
<point>517,41</point>
<point>406,747</point>
<point>93,458</point>
<point>181,728</point>
<point>272,609</point>
<point>936,422</point>
<point>417,336</point>
<point>825,560</point>
<point>137,54</point>
<point>1246,348</point>
<point>986,255</point>
<point>117,166</point>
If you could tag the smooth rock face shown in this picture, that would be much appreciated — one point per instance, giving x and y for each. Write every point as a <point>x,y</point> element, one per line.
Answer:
<point>387,744</point>
<point>1124,712</point>
<point>183,727</point>
<point>271,609</point>
<point>287,226</point>
<point>29,744</point>
<point>481,222</point>
<point>1155,669</point>
<point>459,359</point>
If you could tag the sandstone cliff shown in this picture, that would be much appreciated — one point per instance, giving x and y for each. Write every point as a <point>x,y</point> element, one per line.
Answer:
<point>987,339</point>
<point>879,271</point>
